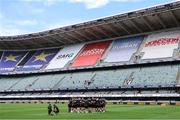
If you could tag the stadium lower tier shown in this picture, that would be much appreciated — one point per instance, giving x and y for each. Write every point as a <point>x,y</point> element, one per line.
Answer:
<point>136,77</point>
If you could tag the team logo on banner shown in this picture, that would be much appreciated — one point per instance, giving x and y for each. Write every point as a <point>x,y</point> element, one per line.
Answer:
<point>39,59</point>
<point>10,59</point>
<point>42,57</point>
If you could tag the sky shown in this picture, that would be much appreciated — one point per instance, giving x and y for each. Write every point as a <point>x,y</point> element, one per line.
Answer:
<point>29,16</point>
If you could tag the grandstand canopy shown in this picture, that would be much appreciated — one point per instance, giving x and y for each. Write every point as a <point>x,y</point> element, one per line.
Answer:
<point>136,22</point>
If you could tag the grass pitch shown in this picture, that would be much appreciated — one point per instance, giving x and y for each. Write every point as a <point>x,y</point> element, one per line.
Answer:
<point>39,112</point>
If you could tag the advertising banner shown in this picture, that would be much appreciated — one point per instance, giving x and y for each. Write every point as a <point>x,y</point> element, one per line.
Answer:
<point>90,54</point>
<point>10,59</point>
<point>123,49</point>
<point>64,56</point>
<point>39,59</point>
<point>161,45</point>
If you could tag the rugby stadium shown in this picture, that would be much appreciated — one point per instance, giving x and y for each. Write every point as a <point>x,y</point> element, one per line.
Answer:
<point>130,60</point>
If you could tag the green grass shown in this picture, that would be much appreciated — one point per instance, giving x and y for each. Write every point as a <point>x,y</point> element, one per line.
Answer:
<point>39,112</point>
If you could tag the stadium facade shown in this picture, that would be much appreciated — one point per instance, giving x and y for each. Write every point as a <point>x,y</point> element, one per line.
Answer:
<point>131,56</point>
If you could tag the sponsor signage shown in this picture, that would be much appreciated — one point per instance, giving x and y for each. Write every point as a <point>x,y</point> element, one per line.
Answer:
<point>64,56</point>
<point>161,45</point>
<point>90,54</point>
<point>123,49</point>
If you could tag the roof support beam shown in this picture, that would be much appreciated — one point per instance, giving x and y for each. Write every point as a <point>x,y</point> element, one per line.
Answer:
<point>36,44</point>
<point>122,27</point>
<point>110,29</point>
<point>56,39</point>
<point>31,42</point>
<point>84,36</point>
<point>74,37</point>
<point>51,41</point>
<point>174,18</point>
<point>21,44</point>
<point>3,45</point>
<point>93,34</point>
<point>117,29</point>
<point>135,26</point>
<point>101,31</point>
<point>65,38</point>
<point>160,21</point>
<point>62,37</point>
<point>147,23</point>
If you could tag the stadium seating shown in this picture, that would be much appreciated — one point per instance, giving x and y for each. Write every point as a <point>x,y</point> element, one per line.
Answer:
<point>151,76</point>
<point>7,83</point>
<point>75,80</point>
<point>156,76</point>
<point>46,81</point>
<point>25,83</point>
<point>98,54</point>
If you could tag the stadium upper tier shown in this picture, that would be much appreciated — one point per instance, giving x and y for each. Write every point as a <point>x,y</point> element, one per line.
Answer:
<point>155,47</point>
<point>140,22</point>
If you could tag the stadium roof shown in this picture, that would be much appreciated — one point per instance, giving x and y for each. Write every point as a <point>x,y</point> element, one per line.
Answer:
<point>136,22</point>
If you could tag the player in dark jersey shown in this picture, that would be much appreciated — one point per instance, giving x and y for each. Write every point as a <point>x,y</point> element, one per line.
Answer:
<point>49,109</point>
<point>55,109</point>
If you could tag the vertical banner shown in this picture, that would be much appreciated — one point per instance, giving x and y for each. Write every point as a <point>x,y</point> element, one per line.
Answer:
<point>39,59</point>
<point>10,59</point>
<point>123,49</point>
<point>90,54</point>
<point>161,45</point>
<point>64,56</point>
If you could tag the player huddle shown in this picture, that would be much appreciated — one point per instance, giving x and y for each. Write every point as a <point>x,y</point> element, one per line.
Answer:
<point>87,105</point>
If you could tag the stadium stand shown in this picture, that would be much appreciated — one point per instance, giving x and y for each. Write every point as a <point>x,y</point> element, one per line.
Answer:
<point>25,83</point>
<point>129,64</point>
<point>7,83</point>
<point>153,76</point>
